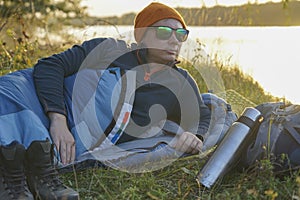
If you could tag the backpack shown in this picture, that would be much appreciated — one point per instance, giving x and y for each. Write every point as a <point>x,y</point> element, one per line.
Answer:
<point>277,138</point>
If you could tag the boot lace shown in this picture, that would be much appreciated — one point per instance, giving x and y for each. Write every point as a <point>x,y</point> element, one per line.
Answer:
<point>50,176</point>
<point>15,183</point>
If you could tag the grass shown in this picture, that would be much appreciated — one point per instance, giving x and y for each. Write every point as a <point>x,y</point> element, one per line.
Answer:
<point>178,181</point>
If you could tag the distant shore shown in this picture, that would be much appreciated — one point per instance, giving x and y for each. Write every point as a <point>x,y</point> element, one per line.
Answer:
<point>268,14</point>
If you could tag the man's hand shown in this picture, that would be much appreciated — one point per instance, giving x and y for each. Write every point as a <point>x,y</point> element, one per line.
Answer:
<point>187,142</point>
<point>62,137</point>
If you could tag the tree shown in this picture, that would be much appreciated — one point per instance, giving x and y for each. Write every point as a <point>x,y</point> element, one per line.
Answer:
<point>31,8</point>
<point>25,25</point>
<point>24,16</point>
<point>37,12</point>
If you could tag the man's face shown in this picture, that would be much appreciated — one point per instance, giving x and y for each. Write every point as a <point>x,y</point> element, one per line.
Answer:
<point>162,50</point>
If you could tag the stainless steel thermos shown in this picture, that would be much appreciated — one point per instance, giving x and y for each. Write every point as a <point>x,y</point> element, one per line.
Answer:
<point>230,147</point>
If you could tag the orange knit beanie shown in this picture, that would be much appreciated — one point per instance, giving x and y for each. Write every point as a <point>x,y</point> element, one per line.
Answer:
<point>151,14</point>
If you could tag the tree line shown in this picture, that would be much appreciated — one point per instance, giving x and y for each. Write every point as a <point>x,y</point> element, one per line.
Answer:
<point>269,14</point>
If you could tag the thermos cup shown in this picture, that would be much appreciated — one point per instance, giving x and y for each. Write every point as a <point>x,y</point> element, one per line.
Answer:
<point>227,153</point>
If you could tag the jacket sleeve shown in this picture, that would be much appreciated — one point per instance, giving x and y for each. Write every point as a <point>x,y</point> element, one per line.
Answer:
<point>205,114</point>
<point>49,74</point>
<point>198,113</point>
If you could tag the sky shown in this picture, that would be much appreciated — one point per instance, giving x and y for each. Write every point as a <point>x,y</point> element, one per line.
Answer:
<point>119,7</point>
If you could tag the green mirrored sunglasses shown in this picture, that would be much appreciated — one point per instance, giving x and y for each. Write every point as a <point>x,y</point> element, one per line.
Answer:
<point>165,32</point>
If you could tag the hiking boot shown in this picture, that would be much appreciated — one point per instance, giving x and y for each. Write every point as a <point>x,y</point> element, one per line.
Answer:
<point>12,176</point>
<point>42,177</point>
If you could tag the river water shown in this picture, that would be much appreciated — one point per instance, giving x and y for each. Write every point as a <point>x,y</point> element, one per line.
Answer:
<point>271,55</point>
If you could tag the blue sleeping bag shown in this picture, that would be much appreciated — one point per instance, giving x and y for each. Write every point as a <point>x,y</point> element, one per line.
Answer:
<point>95,100</point>
<point>22,117</point>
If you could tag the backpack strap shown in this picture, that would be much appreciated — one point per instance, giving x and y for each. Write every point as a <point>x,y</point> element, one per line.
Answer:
<point>290,128</point>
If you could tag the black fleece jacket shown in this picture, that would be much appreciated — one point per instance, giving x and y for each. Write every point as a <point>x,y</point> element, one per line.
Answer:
<point>170,94</point>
